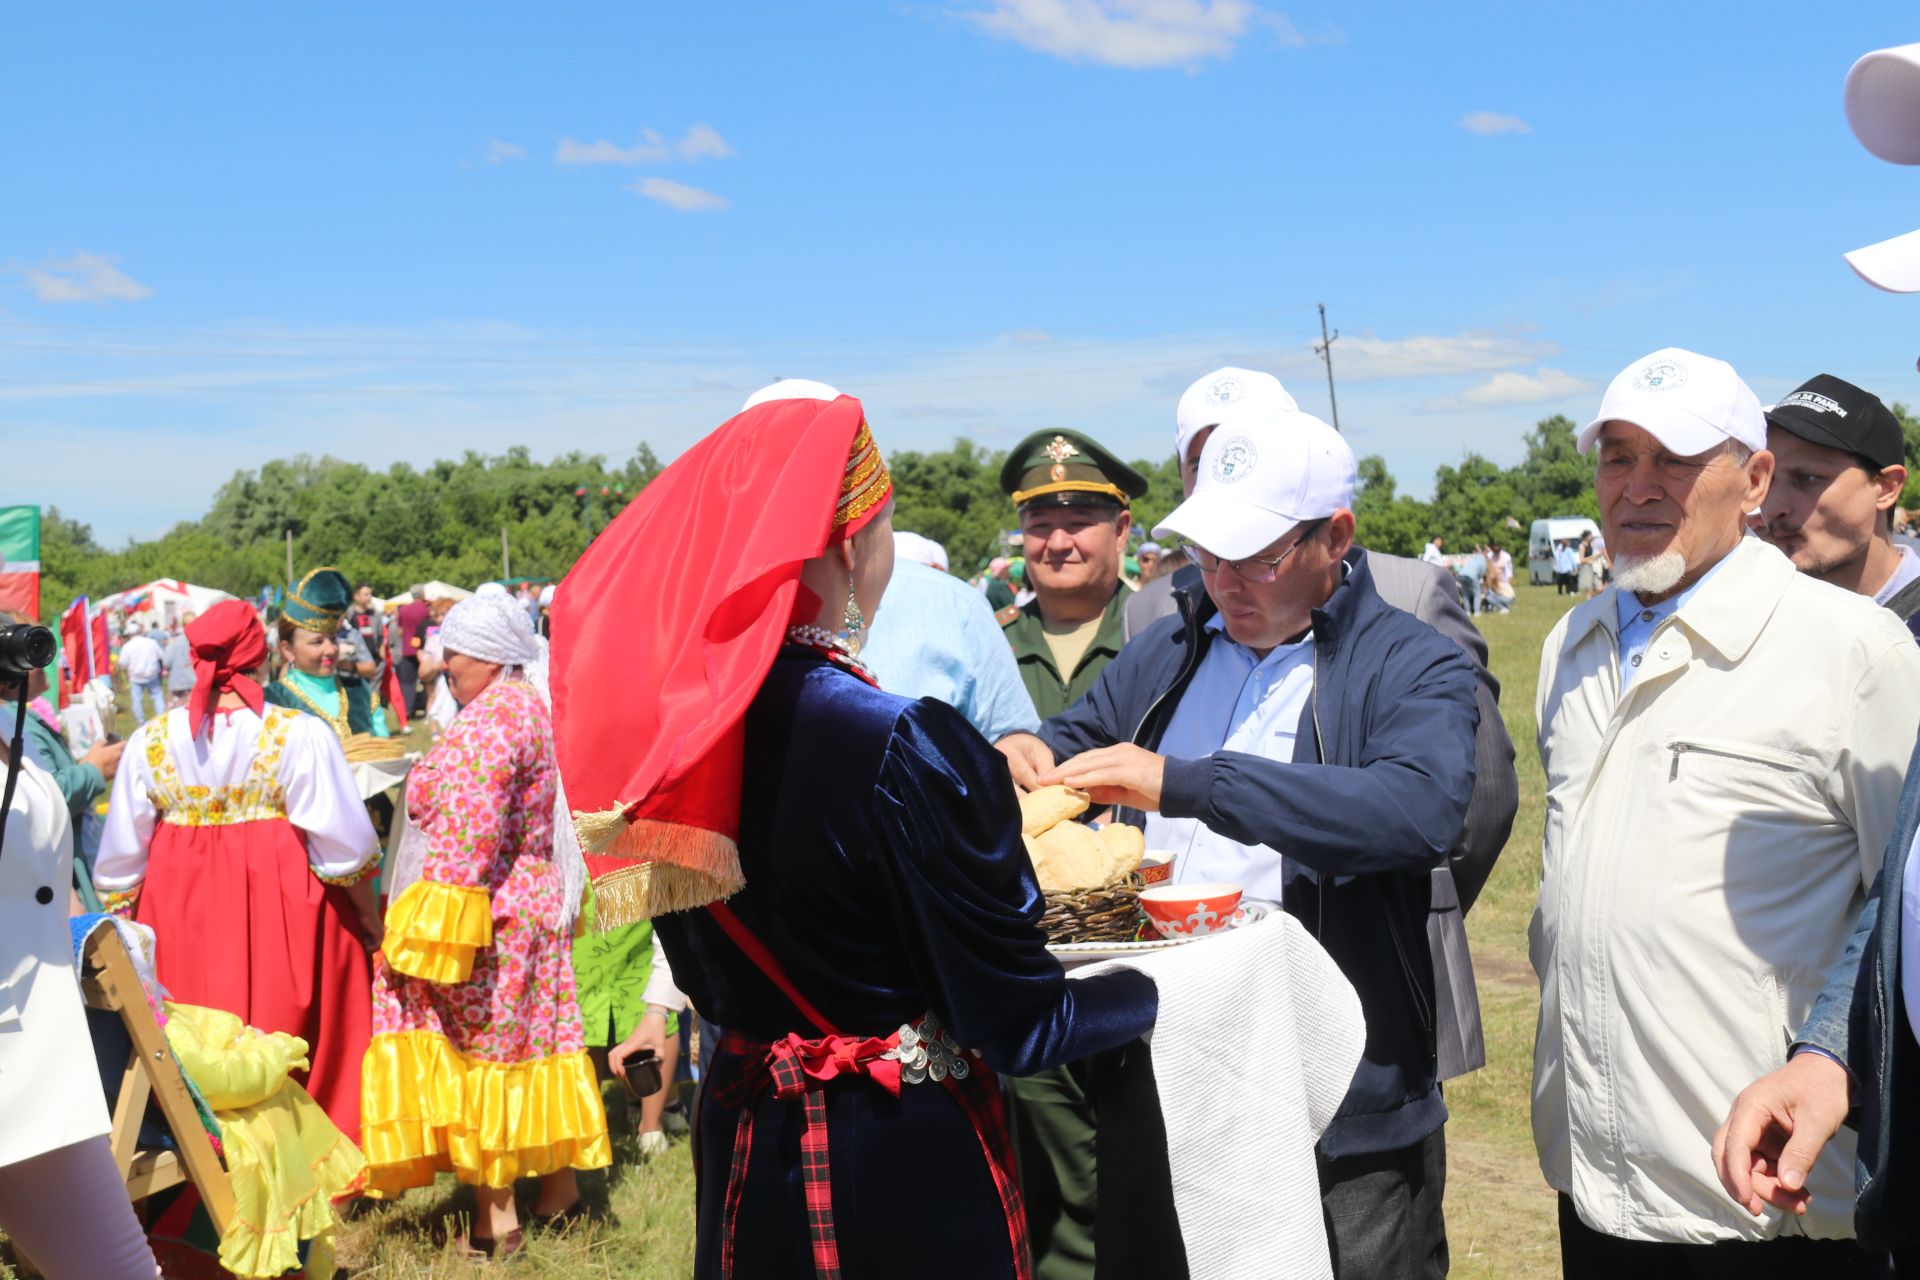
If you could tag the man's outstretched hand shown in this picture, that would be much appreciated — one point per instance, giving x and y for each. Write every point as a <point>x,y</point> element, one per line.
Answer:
<point>1777,1129</point>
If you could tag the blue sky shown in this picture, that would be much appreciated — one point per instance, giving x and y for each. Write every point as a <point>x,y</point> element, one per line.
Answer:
<point>235,233</point>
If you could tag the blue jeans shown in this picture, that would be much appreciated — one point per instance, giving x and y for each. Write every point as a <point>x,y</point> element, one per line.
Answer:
<point>142,693</point>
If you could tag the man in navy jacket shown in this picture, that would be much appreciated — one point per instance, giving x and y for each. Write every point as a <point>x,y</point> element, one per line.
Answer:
<point>1291,732</point>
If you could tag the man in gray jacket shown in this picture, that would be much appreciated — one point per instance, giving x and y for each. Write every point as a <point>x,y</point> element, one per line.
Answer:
<point>1427,592</point>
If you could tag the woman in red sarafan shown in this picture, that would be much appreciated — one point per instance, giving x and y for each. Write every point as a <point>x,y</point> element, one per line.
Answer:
<point>236,832</point>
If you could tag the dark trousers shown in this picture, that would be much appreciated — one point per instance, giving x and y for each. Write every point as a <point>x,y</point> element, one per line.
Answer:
<point>1383,1212</point>
<point>408,669</point>
<point>1586,1254</point>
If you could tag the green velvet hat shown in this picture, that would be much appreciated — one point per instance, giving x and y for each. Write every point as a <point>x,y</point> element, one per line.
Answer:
<point>1067,469</point>
<point>318,601</point>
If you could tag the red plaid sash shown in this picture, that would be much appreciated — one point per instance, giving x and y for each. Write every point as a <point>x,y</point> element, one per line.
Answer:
<point>793,1067</point>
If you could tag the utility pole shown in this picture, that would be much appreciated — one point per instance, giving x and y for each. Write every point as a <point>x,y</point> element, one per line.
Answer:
<point>506,565</point>
<point>290,578</point>
<point>1324,349</point>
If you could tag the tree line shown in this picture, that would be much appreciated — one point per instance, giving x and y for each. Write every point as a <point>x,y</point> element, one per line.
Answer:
<point>405,525</point>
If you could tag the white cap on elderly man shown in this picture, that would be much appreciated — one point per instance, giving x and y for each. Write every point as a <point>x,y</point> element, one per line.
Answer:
<point>1259,478</point>
<point>1225,397</point>
<point>922,550</point>
<point>1688,402</point>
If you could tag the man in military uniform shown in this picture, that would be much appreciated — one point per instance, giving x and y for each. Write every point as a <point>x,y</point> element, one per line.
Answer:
<point>1074,503</point>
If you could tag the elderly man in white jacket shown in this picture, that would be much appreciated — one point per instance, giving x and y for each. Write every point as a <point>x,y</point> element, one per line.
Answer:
<point>1724,741</point>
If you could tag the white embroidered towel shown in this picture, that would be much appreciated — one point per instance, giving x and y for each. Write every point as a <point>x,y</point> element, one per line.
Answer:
<point>1258,1036</point>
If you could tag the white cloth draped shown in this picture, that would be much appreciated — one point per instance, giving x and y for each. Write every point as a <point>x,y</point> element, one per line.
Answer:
<point>1258,1037</point>
<point>322,798</point>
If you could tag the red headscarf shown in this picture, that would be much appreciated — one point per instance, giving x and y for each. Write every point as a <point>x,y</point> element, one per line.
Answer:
<point>665,629</point>
<point>229,645</point>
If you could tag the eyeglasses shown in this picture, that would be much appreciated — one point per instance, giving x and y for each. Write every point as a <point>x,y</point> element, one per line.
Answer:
<point>1252,568</point>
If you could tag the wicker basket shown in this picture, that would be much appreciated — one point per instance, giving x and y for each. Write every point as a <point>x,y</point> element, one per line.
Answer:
<point>365,747</point>
<point>1110,913</point>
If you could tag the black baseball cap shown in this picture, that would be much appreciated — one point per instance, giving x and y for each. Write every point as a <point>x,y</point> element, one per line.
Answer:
<point>1825,411</point>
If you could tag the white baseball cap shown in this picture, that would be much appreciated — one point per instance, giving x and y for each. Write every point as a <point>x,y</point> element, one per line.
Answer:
<point>1689,402</point>
<point>911,546</point>
<point>791,389</point>
<point>1261,477</point>
<point>1882,98</point>
<point>1224,397</point>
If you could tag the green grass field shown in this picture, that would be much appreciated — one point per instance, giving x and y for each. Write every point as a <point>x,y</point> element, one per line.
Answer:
<point>1500,1215</point>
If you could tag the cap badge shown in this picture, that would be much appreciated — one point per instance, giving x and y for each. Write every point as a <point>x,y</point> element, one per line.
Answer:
<point>1661,375</point>
<point>1225,391</point>
<point>1059,450</point>
<point>1235,460</point>
<point>1815,401</point>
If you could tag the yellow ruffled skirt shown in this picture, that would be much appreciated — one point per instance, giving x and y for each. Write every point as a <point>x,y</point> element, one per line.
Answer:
<point>427,1108</point>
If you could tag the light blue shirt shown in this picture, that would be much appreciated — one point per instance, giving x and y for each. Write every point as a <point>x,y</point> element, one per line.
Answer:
<point>1638,622</point>
<point>934,637</point>
<point>1236,702</point>
<point>1565,560</point>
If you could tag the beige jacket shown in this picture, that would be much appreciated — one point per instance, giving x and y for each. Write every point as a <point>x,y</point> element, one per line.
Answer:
<point>1709,841</point>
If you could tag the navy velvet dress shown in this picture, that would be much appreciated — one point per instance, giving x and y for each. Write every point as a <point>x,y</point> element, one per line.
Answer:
<point>880,838</point>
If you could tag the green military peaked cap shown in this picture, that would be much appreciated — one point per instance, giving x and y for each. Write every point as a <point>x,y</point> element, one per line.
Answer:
<point>318,601</point>
<point>1067,468</point>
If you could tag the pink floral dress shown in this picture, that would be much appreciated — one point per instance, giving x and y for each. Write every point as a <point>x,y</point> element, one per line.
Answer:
<point>478,1063</point>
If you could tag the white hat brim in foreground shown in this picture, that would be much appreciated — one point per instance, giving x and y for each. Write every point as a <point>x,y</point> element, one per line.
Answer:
<point>1882,98</point>
<point>1893,265</point>
<point>1680,431</point>
<point>1229,527</point>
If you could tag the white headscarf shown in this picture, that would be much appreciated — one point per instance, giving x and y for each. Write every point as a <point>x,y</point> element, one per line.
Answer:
<point>495,628</point>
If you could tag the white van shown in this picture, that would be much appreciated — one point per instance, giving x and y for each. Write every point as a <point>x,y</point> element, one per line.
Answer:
<point>1545,534</point>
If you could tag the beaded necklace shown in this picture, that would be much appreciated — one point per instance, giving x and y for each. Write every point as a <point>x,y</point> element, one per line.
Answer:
<point>832,647</point>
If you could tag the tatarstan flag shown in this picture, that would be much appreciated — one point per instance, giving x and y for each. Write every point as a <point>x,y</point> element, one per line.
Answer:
<point>20,561</point>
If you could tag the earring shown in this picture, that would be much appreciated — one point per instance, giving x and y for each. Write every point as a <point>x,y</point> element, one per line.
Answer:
<point>855,622</point>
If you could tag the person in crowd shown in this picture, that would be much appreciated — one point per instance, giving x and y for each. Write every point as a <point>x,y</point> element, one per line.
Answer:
<point>1586,568</point>
<point>1149,555</point>
<point>235,831</point>
<point>311,677</point>
<point>1435,551</point>
<point>432,669</point>
<point>1073,500</point>
<point>142,662</point>
<point>939,640</point>
<point>1566,567</point>
<point>998,590</point>
<point>1017,580</point>
<point>1501,562</point>
<point>1838,471</point>
<point>177,661</point>
<point>1293,734</point>
<point>888,914</point>
<point>478,1063</point>
<point>1499,593</point>
<point>82,779</point>
<point>628,1002</point>
<point>546,610</point>
<point>63,1199</point>
<point>1472,577</point>
<point>368,617</point>
<point>1427,591</point>
<point>410,625</point>
<point>1723,740</point>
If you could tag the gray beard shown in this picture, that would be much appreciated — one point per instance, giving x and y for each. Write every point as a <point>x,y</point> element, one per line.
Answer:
<point>1649,575</point>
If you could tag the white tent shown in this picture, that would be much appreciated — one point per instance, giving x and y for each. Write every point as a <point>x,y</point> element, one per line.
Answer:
<point>163,601</point>
<point>436,590</point>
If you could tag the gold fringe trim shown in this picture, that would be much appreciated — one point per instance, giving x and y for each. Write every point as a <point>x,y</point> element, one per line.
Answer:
<point>598,830</point>
<point>678,867</point>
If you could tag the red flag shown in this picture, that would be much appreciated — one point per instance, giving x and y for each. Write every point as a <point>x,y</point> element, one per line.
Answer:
<point>390,686</point>
<point>100,650</point>
<point>73,641</point>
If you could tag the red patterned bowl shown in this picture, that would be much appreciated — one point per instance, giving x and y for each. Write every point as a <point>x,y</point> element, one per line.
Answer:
<point>1189,910</point>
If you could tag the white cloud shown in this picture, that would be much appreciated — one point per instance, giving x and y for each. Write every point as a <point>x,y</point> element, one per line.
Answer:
<point>678,195</point>
<point>498,152</point>
<point>1489,123</point>
<point>1362,356</point>
<point>1129,33</point>
<point>1513,388</point>
<point>701,141</point>
<point>85,277</point>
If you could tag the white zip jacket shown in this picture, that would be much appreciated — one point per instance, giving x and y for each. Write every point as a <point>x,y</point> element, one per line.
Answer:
<point>1710,837</point>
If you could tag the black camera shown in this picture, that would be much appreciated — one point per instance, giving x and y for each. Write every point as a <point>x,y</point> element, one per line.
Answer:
<point>24,647</point>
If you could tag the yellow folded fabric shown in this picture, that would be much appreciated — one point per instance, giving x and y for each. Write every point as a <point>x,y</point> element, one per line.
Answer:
<point>286,1162</point>
<point>427,1108</point>
<point>434,929</point>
